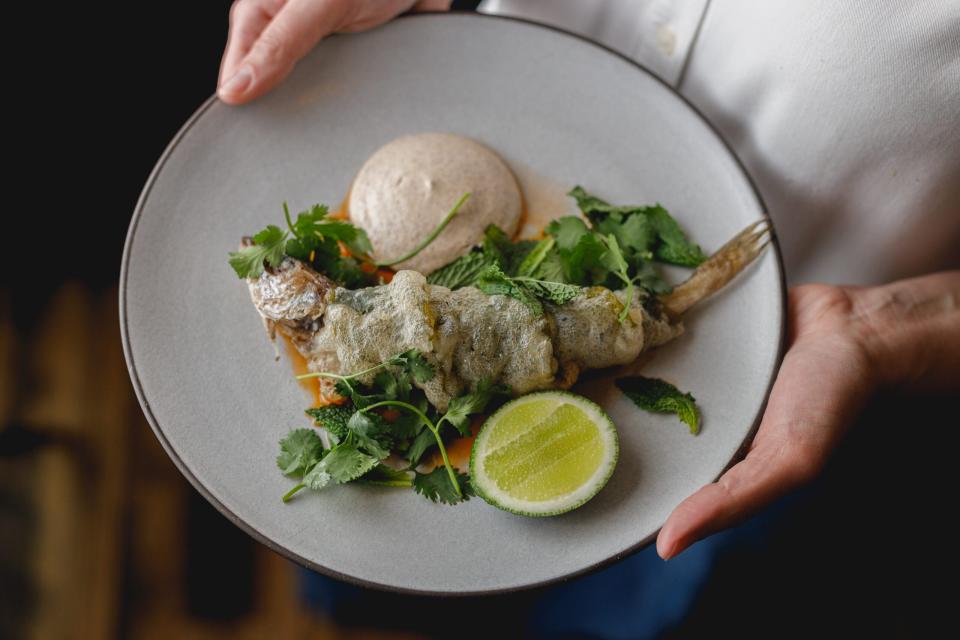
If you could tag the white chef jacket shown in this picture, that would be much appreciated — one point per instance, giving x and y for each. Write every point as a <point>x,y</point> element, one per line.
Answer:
<point>846,114</point>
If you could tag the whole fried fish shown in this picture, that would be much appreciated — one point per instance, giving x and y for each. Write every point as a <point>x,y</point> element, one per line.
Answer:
<point>468,335</point>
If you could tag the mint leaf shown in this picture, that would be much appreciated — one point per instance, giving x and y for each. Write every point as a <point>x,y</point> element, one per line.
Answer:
<point>493,281</point>
<point>555,292</point>
<point>653,394</point>
<point>299,450</point>
<point>462,272</point>
<point>436,486</point>
<point>268,248</point>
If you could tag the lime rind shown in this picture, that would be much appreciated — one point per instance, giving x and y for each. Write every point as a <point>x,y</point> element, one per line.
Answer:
<point>490,442</point>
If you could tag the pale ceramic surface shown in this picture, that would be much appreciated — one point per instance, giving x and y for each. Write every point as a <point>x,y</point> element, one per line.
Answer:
<point>205,373</point>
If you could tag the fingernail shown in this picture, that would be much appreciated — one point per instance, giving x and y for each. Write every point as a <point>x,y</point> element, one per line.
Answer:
<point>237,83</point>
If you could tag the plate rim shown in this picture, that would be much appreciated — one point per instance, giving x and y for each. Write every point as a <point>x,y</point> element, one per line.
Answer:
<point>276,547</point>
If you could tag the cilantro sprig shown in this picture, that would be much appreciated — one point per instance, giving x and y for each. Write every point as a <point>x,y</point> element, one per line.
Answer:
<point>610,246</point>
<point>363,436</point>
<point>313,237</point>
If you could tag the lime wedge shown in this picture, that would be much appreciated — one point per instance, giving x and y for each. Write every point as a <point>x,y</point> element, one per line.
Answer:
<point>543,454</point>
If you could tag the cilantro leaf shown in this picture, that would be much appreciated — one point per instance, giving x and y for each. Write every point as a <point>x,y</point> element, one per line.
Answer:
<point>498,247</point>
<point>299,450</point>
<point>414,363</point>
<point>461,407</point>
<point>343,463</point>
<point>436,486</point>
<point>420,445</point>
<point>462,272</point>
<point>268,247</point>
<point>529,265</point>
<point>551,267</point>
<point>333,417</point>
<point>674,246</point>
<point>653,394</point>
<point>385,476</point>
<point>370,433</point>
<point>640,229</point>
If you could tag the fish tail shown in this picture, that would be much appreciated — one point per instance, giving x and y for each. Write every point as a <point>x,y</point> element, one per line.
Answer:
<point>720,268</point>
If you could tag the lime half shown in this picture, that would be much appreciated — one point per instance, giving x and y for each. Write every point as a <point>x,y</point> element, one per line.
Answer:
<point>543,454</point>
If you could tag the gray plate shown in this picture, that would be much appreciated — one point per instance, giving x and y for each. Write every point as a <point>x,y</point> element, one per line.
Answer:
<point>205,373</point>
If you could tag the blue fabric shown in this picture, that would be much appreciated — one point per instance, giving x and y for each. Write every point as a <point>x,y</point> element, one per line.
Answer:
<point>639,597</point>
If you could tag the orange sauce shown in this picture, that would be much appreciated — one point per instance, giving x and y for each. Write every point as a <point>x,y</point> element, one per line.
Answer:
<point>458,451</point>
<point>299,365</point>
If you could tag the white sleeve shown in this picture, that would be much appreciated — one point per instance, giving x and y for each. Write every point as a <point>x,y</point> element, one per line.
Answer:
<point>655,33</point>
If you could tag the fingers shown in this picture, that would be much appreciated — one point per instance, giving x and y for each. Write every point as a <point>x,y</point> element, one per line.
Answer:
<point>822,384</point>
<point>268,37</point>
<point>764,475</point>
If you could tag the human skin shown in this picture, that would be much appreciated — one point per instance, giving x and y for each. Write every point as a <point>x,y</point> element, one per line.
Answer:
<point>268,37</point>
<point>844,343</point>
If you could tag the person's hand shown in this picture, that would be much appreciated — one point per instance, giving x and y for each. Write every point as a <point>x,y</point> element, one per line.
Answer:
<point>268,37</point>
<point>843,343</point>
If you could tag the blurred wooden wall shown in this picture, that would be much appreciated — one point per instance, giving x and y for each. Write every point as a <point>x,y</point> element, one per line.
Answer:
<point>100,536</point>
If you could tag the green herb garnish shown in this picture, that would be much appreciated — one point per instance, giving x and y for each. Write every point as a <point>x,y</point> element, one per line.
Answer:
<point>313,238</point>
<point>653,394</point>
<point>435,487</point>
<point>363,437</point>
<point>433,235</point>
<point>529,291</point>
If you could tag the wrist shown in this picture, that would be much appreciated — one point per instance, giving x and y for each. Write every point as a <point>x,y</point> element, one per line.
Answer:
<point>910,330</point>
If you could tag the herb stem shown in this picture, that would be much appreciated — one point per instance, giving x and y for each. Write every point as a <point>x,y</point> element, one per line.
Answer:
<point>345,379</point>
<point>289,494</point>
<point>286,214</point>
<point>431,237</point>
<point>433,428</point>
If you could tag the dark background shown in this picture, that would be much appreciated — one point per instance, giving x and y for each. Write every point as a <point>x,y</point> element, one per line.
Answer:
<point>862,550</point>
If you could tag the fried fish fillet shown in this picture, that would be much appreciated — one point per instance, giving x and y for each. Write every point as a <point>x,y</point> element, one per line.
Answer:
<point>468,335</point>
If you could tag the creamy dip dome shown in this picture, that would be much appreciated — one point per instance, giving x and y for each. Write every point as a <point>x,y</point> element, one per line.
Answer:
<point>406,187</point>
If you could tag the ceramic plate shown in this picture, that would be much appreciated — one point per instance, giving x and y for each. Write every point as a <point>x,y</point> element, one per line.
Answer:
<point>553,105</point>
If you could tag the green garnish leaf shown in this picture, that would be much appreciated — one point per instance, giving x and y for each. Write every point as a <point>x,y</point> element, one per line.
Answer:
<point>370,433</point>
<point>300,450</point>
<point>653,394</point>
<point>462,272</point>
<point>334,418</point>
<point>268,248</point>
<point>343,463</point>
<point>674,246</point>
<point>644,231</point>
<point>498,247</point>
<point>462,407</point>
<point>414,363</point>
<point>436,486</point>
<point>420,445</point>
<point>529,291</point>
<point>531,263</point>
<point>433,234</point>
<point>555,292</point>
<point>384,476</point>
<point>493,281</point>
